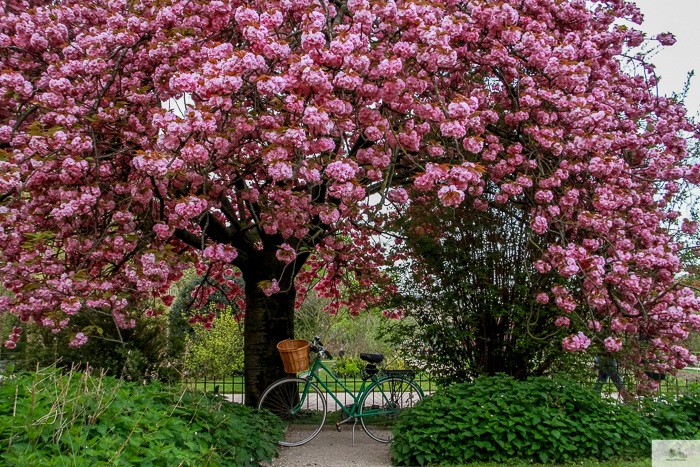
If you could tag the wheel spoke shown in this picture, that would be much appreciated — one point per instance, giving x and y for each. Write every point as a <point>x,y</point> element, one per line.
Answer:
<point>385,400</point>
<point>302,420</point>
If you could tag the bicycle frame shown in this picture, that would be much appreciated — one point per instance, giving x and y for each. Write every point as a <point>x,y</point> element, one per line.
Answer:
<point>355,406</point>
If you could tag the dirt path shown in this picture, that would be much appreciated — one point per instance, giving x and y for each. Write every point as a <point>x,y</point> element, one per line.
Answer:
<point>333,449</point>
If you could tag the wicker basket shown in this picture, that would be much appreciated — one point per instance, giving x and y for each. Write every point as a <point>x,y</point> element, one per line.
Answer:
<point>295,355</point>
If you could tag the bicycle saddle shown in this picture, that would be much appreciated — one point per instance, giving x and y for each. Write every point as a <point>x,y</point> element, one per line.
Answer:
<point>372,357</point>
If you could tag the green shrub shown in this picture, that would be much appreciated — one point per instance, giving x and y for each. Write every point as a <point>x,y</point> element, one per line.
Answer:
<point>216,352</point>
<point>183,307</point>
<point>349,366</point>
<point>675,419</point>
<point>135,354</point>
<point>499,418</point>
<point>52,419</point>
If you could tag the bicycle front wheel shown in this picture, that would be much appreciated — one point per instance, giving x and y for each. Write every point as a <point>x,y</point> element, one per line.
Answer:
<point>300,405</point>
<point>383,403</point>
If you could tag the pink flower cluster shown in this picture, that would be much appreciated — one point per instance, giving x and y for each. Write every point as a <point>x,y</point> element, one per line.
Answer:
<point>397,314</point>
<point>286,253</point>
<point>576,343</point>
<point>78,340</point>
<point>613,344</point>
<point>271,287</point>
<point>206,320</point>
<point>14,337</point>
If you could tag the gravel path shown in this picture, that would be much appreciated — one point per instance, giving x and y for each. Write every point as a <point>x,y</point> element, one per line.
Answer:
<point>333,449</point>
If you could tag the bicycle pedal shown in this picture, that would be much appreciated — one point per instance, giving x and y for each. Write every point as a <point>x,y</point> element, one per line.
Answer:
<point>338,427</point>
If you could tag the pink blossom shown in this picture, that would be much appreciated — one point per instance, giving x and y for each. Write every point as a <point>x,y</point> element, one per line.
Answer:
<point>286,253</point>
<point>341,171</point>
<point>78,340</point>
<point>613,344</point>
<point>576,343</point>
<point>398,195</point>
<point>71,307</point>
<point>10,344</point>
<point>562,321</point>
<point>450,195</point>
<point>666,38</point>
<point>543,298</point>
<point>540,225</point>
<point>272,287</point>
<point>474,145</point>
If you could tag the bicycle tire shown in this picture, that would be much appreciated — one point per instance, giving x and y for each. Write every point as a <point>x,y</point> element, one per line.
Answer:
<point>300,422</point>
<point>402,393</point>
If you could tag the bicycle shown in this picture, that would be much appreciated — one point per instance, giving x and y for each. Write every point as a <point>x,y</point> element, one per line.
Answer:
<point>383,395</point>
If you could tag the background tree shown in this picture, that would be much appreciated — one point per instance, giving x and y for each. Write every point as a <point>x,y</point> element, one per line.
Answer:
<point>216,352</point>
<point>472,294</point>
<point>299,112</point>
<point>186,308</point>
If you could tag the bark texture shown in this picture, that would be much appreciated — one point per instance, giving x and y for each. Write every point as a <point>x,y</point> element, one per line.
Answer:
<point>268,320</point>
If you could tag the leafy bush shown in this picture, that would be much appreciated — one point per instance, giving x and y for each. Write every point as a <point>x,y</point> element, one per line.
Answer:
<point>135,354</point>
<point>216,352</point>
<point>499,418</point>
<point>673,418</point>
<point>51,419</point>
<point>349,366</point>
<point>184,308</point>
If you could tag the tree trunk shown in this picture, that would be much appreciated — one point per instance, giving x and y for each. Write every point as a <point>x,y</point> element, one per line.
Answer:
<point>268,320</point>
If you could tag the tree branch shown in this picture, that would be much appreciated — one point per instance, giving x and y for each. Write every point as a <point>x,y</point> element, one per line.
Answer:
<point>30,110</point>
<point>189,238</point>
<point>229,211</point>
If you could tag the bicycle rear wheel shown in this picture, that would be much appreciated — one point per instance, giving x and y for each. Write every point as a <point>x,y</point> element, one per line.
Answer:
<point>383,403</point>
<point>303,412</point>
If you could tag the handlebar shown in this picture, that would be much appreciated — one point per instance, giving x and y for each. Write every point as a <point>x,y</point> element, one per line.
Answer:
<point>317,346</point>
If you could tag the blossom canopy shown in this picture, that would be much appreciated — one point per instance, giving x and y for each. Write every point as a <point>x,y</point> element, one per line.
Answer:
<point>295,112</point>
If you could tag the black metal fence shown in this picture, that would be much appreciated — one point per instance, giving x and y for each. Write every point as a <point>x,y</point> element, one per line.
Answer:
<point>234,386</point>
<point>667,384</point>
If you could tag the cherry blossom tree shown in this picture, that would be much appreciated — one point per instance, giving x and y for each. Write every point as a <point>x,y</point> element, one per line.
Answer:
<point>300,111</point>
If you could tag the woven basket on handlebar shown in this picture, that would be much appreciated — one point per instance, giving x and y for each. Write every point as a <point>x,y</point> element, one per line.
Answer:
<point>295,355</point>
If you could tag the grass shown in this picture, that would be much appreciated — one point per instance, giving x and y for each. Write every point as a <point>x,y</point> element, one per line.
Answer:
<point>587,463</point>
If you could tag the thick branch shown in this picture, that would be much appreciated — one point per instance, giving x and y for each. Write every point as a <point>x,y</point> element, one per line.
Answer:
<point>189,238</point>
<point>6,195</point>
<point>30,110</point>
<point>215,229</point>
<point>229,211</point>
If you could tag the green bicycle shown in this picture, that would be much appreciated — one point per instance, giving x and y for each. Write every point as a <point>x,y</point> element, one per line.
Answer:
<point>302,406</point>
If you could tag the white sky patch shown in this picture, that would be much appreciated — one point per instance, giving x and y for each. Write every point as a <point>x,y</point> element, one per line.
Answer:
<point>673,63</point>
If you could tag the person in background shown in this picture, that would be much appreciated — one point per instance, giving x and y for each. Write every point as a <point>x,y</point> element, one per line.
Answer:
<point>607,369</point>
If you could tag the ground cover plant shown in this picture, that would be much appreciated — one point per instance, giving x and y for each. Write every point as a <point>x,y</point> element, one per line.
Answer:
<point>496,419</point>
<point>49,418</point>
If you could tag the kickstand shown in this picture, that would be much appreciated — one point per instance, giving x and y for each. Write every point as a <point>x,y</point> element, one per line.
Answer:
<point>353,432</point>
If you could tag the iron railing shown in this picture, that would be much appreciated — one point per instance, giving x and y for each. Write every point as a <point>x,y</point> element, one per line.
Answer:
<point>234,386</point>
